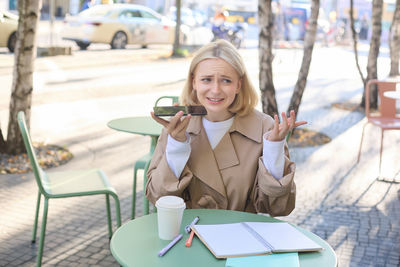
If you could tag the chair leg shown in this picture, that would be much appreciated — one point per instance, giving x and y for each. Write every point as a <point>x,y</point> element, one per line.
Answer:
<point>36,218</point>
<point>362,138</point>
<point>145,200</point>
<point>109,216</point>
<point>380,153</point>
<point>42,233</point>
<point>134,192</point>
<point>117,209</point>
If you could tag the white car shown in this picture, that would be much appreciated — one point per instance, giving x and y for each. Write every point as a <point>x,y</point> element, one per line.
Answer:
<point>8,30</point>
<point>119,25</point>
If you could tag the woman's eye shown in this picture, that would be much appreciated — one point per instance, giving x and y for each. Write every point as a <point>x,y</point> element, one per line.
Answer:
<point>227,81</point>
<point>205,79</point>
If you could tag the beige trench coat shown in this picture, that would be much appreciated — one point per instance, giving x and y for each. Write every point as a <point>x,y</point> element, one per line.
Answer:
<point>232,176</point>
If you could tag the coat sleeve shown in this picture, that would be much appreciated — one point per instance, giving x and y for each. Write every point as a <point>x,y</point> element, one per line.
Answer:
<point>161,179</point>
<point>272,196</point>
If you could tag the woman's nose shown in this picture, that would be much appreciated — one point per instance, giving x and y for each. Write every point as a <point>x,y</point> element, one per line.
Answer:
<point>215,86</point>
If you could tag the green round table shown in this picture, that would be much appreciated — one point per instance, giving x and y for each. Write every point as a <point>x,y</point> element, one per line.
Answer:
<point>138,125</point>
<point>144,126</point>
<point>136,243</point>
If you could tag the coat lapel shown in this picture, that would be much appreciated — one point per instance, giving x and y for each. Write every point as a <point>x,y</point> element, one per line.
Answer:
<point>206,163</point>
<point>202,161</point>
<point>248,126</point>
<point>225,153</point>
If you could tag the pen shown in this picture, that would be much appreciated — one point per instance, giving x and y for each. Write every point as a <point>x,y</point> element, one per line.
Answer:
<point>189,240</point>
<point>187,227</point>
<point>170,245</point>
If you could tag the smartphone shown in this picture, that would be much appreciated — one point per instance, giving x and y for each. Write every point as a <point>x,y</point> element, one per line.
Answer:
<point>172,110</point>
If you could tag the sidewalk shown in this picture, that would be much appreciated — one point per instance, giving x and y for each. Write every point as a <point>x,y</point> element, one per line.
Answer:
<point>337,199</point>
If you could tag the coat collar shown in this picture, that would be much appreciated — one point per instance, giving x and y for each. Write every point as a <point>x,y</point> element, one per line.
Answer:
<point>249,126</point>
<point>206,163</point>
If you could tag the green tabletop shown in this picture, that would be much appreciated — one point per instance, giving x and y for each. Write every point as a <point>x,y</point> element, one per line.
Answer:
<point>136,243</point>
<point>137,125</point>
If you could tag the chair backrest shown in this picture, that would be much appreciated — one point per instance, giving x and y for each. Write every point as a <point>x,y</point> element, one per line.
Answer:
<point>174,99</point>
<point>40,175</point>
<point>387,106</point>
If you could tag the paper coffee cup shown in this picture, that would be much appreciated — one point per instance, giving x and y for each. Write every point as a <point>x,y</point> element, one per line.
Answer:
<point>169,216</point>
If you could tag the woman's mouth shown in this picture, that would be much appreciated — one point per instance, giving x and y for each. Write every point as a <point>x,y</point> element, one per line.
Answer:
<point>215,100</point>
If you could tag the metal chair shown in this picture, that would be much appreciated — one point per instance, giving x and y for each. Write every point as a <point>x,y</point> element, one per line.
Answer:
<point>65,184</point>
<point>143,164</point>
<point>386,117</point>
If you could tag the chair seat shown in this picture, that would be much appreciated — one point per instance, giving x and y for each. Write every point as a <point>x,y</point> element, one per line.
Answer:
<point>386,123</point>
<point>71,183</point>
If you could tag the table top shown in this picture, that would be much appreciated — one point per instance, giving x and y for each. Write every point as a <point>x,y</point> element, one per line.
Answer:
<point>136,243</point>
<point>137,125</point>
<point>392,94</point>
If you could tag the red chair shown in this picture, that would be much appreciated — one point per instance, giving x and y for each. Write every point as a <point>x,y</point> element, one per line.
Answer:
<point>386,117</point>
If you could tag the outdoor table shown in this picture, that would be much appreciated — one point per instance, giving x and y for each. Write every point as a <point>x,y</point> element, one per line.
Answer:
<point>392,94</point>
<point>144,126</point>
<point>136,243</point>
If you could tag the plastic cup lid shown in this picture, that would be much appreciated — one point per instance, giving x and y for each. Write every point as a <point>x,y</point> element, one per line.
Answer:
<point>170,202</point>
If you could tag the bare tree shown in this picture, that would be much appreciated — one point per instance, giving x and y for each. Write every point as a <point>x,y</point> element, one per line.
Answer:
<point>309,41</point>
<point>355,43</point>
<point>269,104</point>
<point>394,41</point>
<point>22,85</point>
<point>372,65</point>
<point>176,46</point>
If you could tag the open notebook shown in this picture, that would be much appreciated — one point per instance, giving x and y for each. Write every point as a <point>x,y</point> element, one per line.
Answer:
<point>253,238</point>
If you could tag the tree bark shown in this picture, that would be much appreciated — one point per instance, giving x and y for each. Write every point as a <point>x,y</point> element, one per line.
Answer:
<point>268,100</point>
<point>394,41</point>
<point>309,41</point>
<point>22,85</point>
<point>355,43</point>
<point>176,45</point>
<point>372,65</point>
<point>2,142</point>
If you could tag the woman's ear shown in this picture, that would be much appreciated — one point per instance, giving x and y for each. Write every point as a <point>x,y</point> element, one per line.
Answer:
<point>193,83</point>
<point>239,86</point>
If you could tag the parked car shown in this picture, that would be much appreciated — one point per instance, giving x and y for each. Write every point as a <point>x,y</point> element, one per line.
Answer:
<point>8,30</point>
<point>119,25</point>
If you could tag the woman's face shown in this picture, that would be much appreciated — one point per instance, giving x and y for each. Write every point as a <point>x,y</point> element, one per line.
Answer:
<point>216,84</point>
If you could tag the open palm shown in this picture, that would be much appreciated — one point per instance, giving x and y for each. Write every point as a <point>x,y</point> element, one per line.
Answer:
<point>280,130</point>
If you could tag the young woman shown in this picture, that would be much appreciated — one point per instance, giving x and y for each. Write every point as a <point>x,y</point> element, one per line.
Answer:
<point>234,157</point>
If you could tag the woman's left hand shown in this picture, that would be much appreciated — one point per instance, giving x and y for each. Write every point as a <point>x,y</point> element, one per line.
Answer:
<point>280,130</point>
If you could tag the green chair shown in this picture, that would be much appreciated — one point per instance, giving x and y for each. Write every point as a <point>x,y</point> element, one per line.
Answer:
<point>143,164</point>
<point>65,184</point>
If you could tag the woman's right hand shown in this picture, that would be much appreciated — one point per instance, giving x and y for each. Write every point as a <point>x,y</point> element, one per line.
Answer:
<point>176,126</point>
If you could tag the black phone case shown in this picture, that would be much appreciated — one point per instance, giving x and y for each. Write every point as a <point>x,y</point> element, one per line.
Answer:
<point>172,110</point>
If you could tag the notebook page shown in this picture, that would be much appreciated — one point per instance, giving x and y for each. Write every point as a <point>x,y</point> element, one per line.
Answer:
<point>226,240</point>
<point>284,237</point>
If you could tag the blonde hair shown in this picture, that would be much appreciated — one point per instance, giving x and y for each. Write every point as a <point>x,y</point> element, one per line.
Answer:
<point>246,100</point>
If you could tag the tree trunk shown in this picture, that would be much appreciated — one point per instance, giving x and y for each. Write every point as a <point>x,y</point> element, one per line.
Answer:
<point>2,142</point>
<point>176,46</point>
<point>22,85</point>
<point>372,65</point>
<point>268,100</point>
<point>306,62</point>
<point>354,35</point>
<point>394,41</point>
